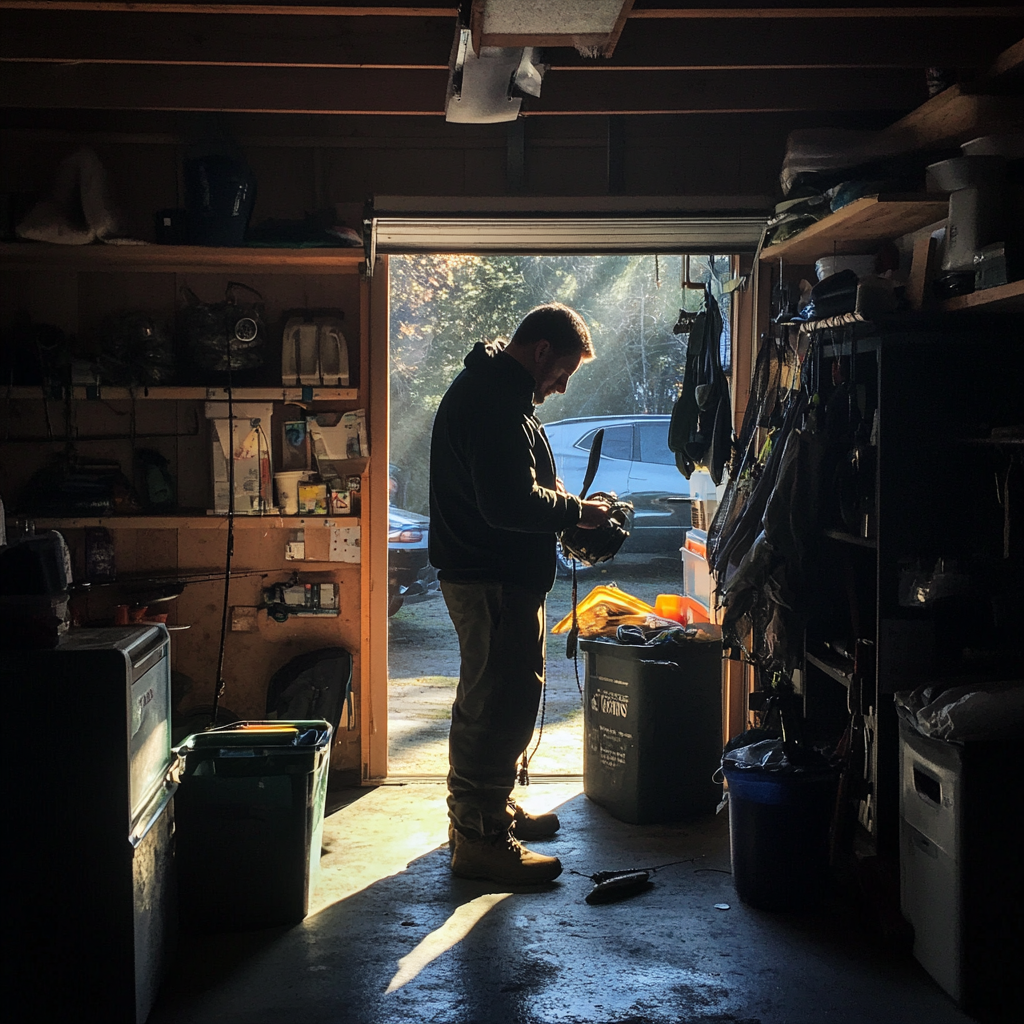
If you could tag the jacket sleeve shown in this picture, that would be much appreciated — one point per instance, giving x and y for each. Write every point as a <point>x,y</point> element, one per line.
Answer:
<point>503,466</point>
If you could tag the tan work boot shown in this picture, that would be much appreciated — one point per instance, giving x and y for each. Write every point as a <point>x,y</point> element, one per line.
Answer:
<point>502,858</point>
<point>533,826</point>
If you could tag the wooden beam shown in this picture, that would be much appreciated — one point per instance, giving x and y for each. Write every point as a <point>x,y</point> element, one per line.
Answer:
<point>684,92</point>
<point>247,89</point>
<point>425,43</point>
<point>442,9</point>
<point>1009,62</point>
<point>952,118</point>
<point>377,91</point>
<point>175,39</point>
<point>616,33</point>
<point>390,10</point>
<point>797,12</point>
<point>883,42</point>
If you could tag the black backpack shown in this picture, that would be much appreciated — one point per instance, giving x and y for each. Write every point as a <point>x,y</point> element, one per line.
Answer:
<point>313,685</point>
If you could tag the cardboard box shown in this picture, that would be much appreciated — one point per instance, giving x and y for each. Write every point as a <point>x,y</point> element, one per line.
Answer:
<point>345,440</point>
<point>248,438</point>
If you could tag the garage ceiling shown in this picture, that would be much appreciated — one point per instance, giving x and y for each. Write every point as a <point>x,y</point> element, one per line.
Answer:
<point>391,58</point>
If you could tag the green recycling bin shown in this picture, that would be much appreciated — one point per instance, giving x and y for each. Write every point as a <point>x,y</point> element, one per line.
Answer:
<point>250,821</point>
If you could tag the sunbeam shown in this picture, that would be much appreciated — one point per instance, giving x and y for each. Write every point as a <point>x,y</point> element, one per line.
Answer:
<point>454,930</point>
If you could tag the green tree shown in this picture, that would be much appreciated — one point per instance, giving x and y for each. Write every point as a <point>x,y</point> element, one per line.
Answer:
<point>442,305</point>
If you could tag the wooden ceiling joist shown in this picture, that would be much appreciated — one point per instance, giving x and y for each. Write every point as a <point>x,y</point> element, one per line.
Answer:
<point>444,9</point>
<point>805,11</point>
<point>426,43</point>
<point>376,91</point>
<point>397,10</point>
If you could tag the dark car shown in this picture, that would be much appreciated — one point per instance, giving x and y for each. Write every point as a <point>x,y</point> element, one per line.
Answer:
<point>410,574</point>
<point>637,465</point>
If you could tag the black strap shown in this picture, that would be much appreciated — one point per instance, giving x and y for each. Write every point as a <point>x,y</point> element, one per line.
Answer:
<point>595,458</point>
<point>588,479</point>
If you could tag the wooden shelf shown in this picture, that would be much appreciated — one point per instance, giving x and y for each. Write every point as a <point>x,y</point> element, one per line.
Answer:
<point>996,442</point>
<point>164,259</point>
<point>193,521</point>
<point>166,394</point>
<point>834,667</point>
<point>1004,298</point>
<point>859,226</point>
<point>861,347</point>
<point>849,538</point>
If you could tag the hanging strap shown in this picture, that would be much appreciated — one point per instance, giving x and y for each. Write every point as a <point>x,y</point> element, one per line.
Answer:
<point>595,458</point>
<point>588,479</point>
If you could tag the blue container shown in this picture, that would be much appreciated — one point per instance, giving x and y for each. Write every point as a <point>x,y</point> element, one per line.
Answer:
<point>779,835</point>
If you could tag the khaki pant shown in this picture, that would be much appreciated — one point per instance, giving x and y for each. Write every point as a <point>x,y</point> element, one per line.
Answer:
<point>501,643</point>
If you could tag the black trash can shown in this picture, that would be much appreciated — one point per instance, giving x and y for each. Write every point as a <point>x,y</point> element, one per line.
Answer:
<point>652,728</point>
<point>250,819</point>
<point>779,835</point>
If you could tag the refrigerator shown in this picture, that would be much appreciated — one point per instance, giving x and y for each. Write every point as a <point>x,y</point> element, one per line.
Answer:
<point>90,889</point>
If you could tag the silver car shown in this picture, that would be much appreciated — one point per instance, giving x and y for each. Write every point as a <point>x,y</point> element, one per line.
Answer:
<point>637,465</point>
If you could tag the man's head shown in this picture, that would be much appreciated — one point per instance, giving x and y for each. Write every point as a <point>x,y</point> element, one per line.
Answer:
<point>551,342</point>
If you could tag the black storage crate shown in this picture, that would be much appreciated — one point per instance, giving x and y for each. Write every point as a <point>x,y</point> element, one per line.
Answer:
<point>652,729</point>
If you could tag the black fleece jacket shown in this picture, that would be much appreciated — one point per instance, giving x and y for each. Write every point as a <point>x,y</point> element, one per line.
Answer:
<point>494,510</point>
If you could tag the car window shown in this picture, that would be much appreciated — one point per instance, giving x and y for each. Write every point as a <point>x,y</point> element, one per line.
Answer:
<point>654,443</point>
<point>618,442</point>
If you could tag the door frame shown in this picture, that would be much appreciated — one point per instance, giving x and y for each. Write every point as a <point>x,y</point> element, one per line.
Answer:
<point>736,676</point>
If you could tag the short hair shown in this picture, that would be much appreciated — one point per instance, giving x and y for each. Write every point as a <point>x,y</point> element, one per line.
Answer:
<point>563,328</point>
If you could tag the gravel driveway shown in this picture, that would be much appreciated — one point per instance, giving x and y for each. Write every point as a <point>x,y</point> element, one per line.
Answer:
<point>423,654</point>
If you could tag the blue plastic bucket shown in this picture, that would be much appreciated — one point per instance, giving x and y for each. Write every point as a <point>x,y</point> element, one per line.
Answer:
<point>779,835</point>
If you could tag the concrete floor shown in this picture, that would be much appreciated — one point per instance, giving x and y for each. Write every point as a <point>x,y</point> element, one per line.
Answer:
<point>394,937</point>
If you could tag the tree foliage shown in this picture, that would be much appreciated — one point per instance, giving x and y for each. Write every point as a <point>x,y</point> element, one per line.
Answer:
<point>442,305</point>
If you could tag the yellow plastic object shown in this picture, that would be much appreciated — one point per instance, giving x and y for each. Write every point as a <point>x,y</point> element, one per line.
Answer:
<point>603,604</point>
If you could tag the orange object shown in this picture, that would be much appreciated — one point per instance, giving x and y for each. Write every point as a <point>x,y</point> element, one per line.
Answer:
<point>121,615</point>
<point>609,600</point>
<point>670,606</point>
<point>697,547</point>
<point>695,611</point>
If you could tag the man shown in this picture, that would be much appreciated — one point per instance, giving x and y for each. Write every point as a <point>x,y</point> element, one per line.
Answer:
<point>495,508</point>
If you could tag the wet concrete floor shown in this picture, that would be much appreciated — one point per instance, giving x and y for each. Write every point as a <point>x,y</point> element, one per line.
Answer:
<point>394,937</point>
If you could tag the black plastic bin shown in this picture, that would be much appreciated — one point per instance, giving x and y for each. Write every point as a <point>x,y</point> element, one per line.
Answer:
<point>652,728</point>
<point>250,819</point>
<point>779,835</point>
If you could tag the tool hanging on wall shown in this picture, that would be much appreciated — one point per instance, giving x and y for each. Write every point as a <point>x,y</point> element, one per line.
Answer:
<point>686,317</point>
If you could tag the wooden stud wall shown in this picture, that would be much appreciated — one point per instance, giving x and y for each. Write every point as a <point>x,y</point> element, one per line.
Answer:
<point>78,301</point>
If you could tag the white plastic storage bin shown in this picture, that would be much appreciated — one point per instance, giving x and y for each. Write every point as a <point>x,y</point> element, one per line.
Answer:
<point>960,884</point>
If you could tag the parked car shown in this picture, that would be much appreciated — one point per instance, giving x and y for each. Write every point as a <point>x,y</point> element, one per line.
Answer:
<point>410,574</point>
<point>637,465</point>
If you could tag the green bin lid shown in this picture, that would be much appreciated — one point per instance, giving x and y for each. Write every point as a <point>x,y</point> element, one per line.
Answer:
<point>271,733</point>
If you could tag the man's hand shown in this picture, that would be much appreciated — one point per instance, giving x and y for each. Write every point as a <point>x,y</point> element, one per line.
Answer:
<point>594,514</point>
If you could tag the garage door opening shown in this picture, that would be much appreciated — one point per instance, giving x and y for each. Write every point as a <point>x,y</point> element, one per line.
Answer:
<point>440,305</point>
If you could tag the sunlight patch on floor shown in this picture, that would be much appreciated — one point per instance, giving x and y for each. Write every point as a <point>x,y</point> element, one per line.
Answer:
<point>420,746</point>
<point>377,836</point>
<point>382,832</point>
<point>439,941</point>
